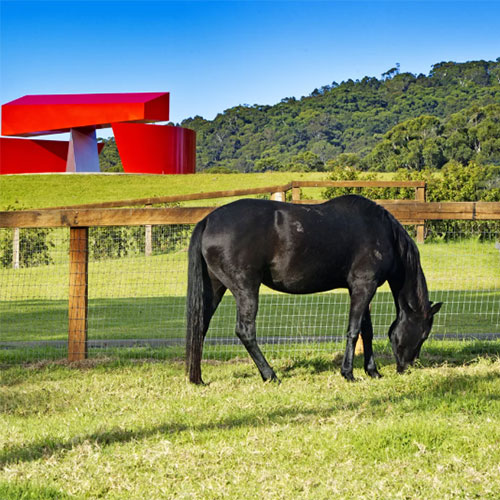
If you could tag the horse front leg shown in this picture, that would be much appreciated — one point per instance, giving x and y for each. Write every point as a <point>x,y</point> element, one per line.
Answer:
<point>367,336</point>
<point>361,297</point>
<point>247,305</point>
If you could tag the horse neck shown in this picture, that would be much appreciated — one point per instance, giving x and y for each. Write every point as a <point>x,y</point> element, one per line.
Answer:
<point>409,289</point>
<point>407,282</point>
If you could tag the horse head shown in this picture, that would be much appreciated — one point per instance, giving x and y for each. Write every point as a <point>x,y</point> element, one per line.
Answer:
<point>408,332</point>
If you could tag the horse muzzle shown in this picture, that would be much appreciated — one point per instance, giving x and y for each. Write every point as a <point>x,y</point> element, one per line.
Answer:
<point>401,367</point>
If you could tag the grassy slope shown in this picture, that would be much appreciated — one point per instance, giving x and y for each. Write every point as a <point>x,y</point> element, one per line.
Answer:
<point>39,191</point>
<point>139,431</point>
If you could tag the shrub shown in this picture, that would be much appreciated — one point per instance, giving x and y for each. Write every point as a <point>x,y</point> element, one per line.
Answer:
<point>453,182</point>
<point>34,248</point>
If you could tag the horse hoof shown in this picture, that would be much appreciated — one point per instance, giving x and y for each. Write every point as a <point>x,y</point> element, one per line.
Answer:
<point>374,374</point>
<point>273,380</point>
<point>348,376</point>
<point>197,381</point>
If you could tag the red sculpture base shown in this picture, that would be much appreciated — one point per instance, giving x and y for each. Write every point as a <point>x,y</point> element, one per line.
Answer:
<point>33,156</point>
<point>155,149</point>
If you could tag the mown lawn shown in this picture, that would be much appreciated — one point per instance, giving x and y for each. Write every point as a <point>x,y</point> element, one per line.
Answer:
<point>137,430</point>
<point>122,427</point>
<point>54,190</point>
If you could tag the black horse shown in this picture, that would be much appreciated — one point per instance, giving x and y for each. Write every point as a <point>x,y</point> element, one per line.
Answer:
<point>348,242</point>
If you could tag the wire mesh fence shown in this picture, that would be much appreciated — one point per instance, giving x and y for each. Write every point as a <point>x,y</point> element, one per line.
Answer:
<point>137,280</point>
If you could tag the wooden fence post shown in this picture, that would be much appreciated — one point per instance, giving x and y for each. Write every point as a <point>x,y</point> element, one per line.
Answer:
<point>78,293</point>
<point>278,196</point>
<point>148,240</point>
<point>359,349</point>
<point>295,194</point>
<point>15,249</point>
<point>420,196</point>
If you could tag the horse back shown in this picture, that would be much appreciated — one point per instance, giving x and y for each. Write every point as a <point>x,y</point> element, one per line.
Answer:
<point>300,248</point>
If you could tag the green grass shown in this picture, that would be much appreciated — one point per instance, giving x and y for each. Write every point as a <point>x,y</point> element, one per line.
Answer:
<point>463,274</point>
<point>119,427</point>
<point>40,191</point>
<point>138,297</point>
<point>126,430</point>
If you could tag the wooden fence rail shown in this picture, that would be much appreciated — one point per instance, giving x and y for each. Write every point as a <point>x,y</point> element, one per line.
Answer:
<point>406,211</point>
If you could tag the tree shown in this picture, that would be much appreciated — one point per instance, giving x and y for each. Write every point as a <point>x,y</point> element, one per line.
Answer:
<point>109,159</point>
<point>391,72</point>
<point>350,160</point>
<point>268,164</point>
<point>472,134</point>
<point>220,170</point>
<point>305,161</point>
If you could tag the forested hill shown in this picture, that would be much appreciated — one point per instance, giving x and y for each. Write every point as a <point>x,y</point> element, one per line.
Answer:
<point>350,117</point>
<point>398,121</point>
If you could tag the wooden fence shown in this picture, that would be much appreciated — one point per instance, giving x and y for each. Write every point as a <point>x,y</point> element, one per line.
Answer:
<point>80,217</point>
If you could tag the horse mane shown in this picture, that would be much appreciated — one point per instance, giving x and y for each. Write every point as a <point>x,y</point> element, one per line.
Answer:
<point>405,247</point>
<point>410,257</point>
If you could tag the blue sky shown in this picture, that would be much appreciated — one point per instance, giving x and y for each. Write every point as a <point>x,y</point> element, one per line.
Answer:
<point>214,55</point>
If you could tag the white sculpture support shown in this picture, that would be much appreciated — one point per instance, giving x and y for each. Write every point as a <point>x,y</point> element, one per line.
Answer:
<point>82,151</point>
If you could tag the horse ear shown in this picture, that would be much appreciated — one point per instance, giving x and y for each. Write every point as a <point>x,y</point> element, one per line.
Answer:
<point>435,308</point>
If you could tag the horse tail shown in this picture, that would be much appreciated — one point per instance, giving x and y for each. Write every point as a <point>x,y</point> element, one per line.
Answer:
<point>195,306</point>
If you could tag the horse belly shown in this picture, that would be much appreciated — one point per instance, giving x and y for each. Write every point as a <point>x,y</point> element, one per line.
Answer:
<point>308,277</point>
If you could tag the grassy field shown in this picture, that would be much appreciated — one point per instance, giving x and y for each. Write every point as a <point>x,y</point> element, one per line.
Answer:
<point>138,430</point>
<point>138,297</point>
<point>40,191</point>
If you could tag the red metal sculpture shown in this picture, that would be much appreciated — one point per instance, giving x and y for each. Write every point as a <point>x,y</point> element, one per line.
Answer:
<point>143,148</point>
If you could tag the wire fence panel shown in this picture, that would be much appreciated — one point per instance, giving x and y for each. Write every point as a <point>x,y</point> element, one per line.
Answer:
<point>134,298</point>
<point>137,280</point>
<point>462,261</point>
<point>34,282</point>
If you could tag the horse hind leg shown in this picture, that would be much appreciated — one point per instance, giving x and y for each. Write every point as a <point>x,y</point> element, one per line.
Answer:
<point>367,336</point>
<point>211,292</point>
<point>216,291</point>
<point>247,305</point>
